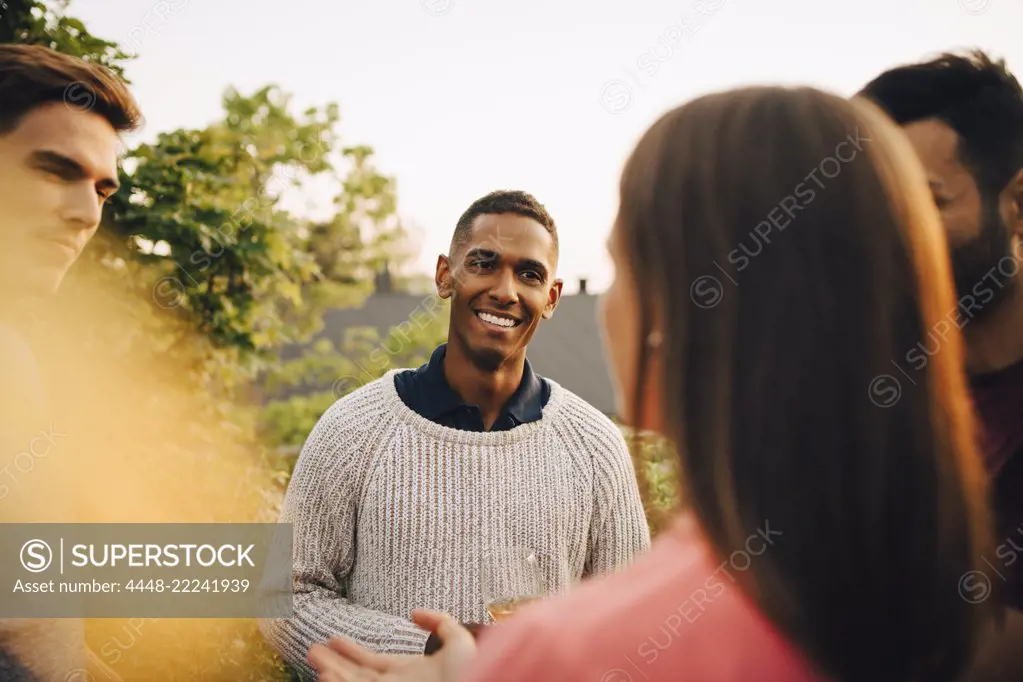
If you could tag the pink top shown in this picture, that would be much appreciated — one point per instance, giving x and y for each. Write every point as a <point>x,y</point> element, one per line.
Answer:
<point>673,615</point>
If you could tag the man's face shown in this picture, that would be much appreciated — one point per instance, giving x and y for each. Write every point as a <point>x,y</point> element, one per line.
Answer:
<point>57,169</point>
<point>501,283</point>
<point>977,234</point>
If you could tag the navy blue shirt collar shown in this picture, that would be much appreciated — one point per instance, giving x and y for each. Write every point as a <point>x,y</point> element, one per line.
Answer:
<point>427,391</point>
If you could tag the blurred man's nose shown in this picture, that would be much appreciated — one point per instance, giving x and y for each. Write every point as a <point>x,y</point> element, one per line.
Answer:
<point>83,208</point>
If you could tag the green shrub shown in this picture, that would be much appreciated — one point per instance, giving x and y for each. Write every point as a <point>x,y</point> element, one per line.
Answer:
<point>656,466</point>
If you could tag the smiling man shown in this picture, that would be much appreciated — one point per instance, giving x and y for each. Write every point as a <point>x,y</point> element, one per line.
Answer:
<point>409,487</point>
<point>499,277</point>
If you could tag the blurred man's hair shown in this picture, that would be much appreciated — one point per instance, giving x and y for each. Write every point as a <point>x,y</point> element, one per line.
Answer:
<point>32,76</point>
<point>503,201</point>
<point>975,95</point>
<point>11,670</point>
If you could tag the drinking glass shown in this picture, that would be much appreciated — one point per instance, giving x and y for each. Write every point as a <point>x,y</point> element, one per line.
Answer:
<point>511,579</point>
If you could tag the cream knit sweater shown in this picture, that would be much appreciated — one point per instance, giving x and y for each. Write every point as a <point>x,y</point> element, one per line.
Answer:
<point>393,512</point>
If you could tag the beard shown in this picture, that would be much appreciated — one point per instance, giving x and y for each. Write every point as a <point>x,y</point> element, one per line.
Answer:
<point>485,359</point>
<point>978,259</point>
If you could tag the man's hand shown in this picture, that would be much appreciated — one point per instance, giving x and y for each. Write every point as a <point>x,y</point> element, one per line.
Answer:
<point>341,660</point>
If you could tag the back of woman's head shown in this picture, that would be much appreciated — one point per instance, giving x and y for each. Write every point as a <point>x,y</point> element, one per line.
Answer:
<point>785,242</point>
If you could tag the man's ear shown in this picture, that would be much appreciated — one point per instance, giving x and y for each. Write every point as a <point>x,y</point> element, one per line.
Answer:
<point>443,277</point>
<point>552,299</point>
<point>1012,205</point>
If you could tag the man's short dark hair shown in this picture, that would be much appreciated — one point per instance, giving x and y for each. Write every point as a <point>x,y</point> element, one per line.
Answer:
<point>975,95</point>
<point>503,201</point>
<point>33,75</point>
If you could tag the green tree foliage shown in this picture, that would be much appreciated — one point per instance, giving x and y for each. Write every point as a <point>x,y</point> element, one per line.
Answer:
<point>201,209</point>
<point>361,236</point>
<point>34,22</point>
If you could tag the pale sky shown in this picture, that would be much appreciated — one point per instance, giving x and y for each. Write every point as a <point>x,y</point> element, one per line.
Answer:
<point>460,97</point>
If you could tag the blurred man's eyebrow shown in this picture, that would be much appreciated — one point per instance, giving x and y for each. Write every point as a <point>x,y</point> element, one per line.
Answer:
<point>70,166</point>
<point>43,156</point>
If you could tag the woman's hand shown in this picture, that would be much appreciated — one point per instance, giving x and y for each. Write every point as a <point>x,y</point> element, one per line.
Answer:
<point>341,660</point>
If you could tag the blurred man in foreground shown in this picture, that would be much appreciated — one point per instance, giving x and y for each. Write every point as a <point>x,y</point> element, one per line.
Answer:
<point>60,121</point>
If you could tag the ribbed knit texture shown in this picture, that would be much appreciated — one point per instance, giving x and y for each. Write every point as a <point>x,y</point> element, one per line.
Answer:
<point>393,512</point>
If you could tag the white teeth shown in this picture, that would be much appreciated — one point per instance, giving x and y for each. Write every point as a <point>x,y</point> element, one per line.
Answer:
<point>499,321</point>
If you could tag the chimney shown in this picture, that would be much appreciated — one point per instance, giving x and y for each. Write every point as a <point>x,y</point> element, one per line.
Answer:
<point>582,285</point>
<point>382,282</point>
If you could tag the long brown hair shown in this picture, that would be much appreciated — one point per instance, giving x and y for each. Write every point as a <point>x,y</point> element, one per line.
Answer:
<point>786,239</point>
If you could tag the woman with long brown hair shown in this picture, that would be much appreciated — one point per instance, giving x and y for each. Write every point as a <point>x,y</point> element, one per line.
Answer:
<point>777,254</point>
